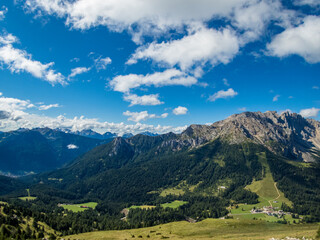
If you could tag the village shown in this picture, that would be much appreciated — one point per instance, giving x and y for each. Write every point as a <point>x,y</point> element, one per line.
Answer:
<point>270,211</point>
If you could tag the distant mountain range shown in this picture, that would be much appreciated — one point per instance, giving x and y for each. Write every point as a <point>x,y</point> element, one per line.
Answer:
<point>27,151</point>
<point>30,151</point>
<point>107,135</point>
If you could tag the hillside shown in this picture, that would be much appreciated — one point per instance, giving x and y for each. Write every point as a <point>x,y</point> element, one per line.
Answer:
<point>209,229</point>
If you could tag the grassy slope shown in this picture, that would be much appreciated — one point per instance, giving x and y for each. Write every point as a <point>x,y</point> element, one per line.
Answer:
<point>266,188</point>
<point>209,229</point>
<point>174,204</point>
<point>29,222</point>
<point>77,208</point>
<point>267,192</point>
<point>29,197</point>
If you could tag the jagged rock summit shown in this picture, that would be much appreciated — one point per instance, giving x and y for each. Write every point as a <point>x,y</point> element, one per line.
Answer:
<point>288,134</point>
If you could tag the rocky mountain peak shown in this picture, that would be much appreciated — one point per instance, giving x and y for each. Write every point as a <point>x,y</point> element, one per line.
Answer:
<point>288,133</point>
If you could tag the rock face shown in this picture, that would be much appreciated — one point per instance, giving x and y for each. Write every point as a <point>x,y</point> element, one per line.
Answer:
<point>288,134</point>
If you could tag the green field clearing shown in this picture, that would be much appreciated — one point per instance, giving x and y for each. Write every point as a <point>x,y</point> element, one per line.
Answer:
<point>142,207</point>
<point>299,164</point>
<point>77,207</point>
<point>174,204</point>
<point>209,229</point>
<point>172,191</point>
<point>28,197</point>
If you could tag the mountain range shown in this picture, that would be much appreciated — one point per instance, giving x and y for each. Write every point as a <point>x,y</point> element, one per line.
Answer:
<point>231,153</point>
<point>32,151</point>
<point>253,158</point>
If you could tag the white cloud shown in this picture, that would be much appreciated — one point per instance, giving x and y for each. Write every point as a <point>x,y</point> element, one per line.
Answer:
<point>19,60</point>
<point>47,107</point>
<point>316,87</point>
<point>75,59</point>
<point>145,100</point>
<point>276,98</point>
<point>72,146</point>
<point>243,109</point>
<point>141,17</point>
<point>254,17</point>
<point>101,63</point>
<point>14,108</point>
<point>307,2</point>
<point>121,14</point>
<point>180,110</point>
<point>3,12</point>
<point>230,93</point>
<point>77,71</point>
<point>310,112</point>
<point>303,40</point>
<point>14,115</point>
<point>225,82</point>
<point>167,78</point>
<point>202,46</point>
<point>142,116</point>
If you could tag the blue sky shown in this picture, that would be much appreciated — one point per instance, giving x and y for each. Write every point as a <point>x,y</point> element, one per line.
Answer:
<point>131,66</point>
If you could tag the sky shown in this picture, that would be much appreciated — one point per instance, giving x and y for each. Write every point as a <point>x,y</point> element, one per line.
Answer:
<point>139,65</point>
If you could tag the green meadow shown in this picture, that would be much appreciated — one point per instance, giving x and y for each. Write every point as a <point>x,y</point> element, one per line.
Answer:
<point>208,229</point>
<point>78,208</point>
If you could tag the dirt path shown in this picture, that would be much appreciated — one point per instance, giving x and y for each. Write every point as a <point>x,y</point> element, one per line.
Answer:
<point>270,201</point>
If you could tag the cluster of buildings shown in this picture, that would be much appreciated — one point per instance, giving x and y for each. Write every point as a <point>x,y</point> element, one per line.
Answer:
<point>270,211</point>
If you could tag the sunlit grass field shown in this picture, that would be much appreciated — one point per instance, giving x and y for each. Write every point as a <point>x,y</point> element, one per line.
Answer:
<point>77,207</point>
<point>209,229</point>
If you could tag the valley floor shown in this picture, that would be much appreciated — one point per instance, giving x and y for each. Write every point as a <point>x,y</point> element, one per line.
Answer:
<point>209,229</point>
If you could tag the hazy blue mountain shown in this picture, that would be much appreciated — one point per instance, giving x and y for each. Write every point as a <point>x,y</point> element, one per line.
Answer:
<point>24,151</point>
<point>92,134</point>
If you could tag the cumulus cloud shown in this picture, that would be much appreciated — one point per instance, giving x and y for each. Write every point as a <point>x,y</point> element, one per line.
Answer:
<point>3,12</point>
<point>303,40</point>
<point>225,82</point>
<point>72,146</point>
<point>142,116</point>
<point>310,112</point>
<point>47,107</point>
<point>4,115</point>
<point>78,71</point>
<point>276,98</point>
<point>14,115</point>
<point>180,110</point>
<point>254,17</point>
<point>204,45</point>
<point>141,17</point>
<point>19,60</point>
<point>167,78</point>
<point>121,14</point>
<point>145,100</point>
<point>101,63</point>
<point>13,109</point>
<point>230,93</point>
